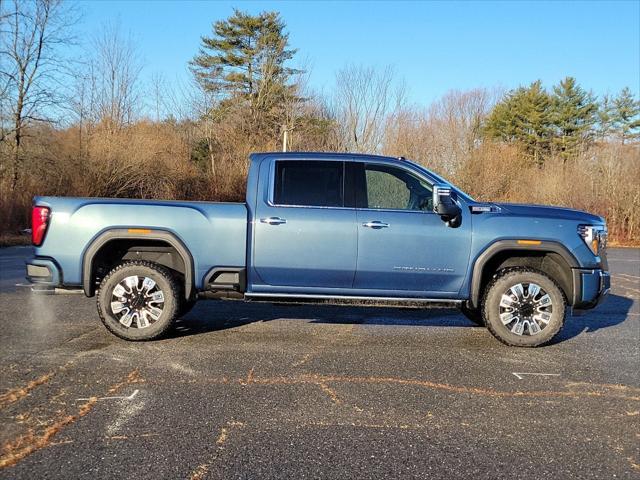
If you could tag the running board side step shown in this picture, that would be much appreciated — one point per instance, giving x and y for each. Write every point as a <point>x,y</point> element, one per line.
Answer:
<point>352,300</point>
<point>49,290</point>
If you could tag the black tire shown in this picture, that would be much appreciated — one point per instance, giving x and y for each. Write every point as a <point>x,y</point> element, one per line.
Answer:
<point>164,282</point>
<point>186,305</point>
<point>473,314</point>
<point>526,307</point>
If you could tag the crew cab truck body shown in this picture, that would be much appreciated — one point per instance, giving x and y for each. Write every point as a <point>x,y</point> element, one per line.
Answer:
<point>318,227</point>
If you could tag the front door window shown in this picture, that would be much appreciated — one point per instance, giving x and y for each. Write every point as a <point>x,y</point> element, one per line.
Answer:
<point>391,188</point>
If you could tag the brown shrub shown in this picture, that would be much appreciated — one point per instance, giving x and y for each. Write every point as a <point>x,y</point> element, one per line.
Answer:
<point>153,160</point>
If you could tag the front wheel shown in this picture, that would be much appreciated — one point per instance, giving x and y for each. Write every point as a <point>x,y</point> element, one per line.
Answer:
<point>524,307</point>
<point>138,300</point>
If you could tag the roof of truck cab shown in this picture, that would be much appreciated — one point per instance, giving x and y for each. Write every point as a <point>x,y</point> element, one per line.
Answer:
<point>321,155</point>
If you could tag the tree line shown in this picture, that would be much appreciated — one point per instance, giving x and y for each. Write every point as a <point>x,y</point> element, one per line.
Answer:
<point>565,121</point>
<point>90,126</point>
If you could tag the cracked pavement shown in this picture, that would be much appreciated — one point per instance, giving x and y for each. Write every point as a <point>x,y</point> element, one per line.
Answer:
<point>250,390</point>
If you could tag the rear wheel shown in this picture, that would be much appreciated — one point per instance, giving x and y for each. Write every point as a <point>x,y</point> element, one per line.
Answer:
<point>138,300</point>
<point>524,307</point>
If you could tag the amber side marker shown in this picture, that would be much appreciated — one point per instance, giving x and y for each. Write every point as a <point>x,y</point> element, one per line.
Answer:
<point>139,230</point>
<point>529,242</point>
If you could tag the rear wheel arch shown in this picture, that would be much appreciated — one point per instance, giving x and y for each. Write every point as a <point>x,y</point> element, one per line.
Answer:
<point>551,258</point>
<point>115,245</point>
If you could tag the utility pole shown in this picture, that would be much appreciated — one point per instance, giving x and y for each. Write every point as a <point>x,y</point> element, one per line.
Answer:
<point>285,137</point>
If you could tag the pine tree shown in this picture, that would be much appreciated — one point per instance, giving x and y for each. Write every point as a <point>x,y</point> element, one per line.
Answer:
<point>245,60</point>
<point>626,116</point>
<point>604,115</point>
<point>523,117</point>
<point>573,117</point>
<point>536,123</point>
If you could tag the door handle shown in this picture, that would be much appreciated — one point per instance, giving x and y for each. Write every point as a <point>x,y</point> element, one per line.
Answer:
<point>273,220</point>
<point>375,224</point>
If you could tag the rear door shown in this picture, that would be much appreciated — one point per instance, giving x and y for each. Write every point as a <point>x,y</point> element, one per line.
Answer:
<point>303,235</point>
<point>402,244</point>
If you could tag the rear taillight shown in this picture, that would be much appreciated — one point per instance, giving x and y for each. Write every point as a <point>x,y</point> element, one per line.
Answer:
<point>39,224</point>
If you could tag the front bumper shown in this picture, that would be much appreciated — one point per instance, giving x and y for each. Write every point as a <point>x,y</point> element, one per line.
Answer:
<point>590,287</point>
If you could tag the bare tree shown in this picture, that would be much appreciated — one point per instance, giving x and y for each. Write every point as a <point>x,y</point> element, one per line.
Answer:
<point>444,135</point>
<point>295,104</point>
<point>115,72</point>
<point>158,89</point>
<point>364,98</point>
<point>204,103</point>
<point>32,67</point>
<point>455,123</point>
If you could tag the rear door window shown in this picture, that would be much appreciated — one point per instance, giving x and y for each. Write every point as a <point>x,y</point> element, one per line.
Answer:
<point>309,183</point>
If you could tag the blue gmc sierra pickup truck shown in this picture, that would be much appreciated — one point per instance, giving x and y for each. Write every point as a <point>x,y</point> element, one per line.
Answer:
<point>325,227</point>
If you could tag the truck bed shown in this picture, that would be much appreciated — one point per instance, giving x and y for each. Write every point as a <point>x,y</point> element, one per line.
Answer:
<point>214,233</point>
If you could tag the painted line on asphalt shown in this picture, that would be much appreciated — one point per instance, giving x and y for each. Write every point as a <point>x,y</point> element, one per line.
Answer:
<point>626,276</point>
<point>628,290</point>
<point>519,374</point>
<point>120,397</point>
<point>597,313</point>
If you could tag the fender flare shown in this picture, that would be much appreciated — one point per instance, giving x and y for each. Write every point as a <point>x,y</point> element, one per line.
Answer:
<point>512,244</point>
<point>136,233</point>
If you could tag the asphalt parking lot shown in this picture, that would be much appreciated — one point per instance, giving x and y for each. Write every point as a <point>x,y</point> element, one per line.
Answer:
<point>265,391</point>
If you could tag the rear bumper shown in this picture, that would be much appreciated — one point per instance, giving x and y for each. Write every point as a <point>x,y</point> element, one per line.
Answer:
<point>590,287</point>
<point>43,272</point>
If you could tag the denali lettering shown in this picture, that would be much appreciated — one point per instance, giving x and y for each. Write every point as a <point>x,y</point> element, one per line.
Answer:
<point>424,269</point>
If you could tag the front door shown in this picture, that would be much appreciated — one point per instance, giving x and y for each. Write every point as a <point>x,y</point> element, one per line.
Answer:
<point>304,236</point>
<point>402,244</point>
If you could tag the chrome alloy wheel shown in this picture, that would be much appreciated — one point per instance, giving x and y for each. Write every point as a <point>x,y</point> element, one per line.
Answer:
<point>525,309</point>
<point>137,299</point>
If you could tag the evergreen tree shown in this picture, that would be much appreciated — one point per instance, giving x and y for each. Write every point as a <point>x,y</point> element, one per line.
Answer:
<point>523,117</point>
<point>626,116</point>
<point>244,61</point>
<point>573,116</point>
<point>604,115</point>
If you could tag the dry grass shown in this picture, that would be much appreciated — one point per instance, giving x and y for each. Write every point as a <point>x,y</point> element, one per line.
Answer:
<point>156,161</point>
<point>12,240</point>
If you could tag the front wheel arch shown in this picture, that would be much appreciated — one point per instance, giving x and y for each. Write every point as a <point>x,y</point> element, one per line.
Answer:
<point>550,257</point>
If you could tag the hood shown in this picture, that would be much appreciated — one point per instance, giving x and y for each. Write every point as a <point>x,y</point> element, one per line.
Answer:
<point>545,211</point>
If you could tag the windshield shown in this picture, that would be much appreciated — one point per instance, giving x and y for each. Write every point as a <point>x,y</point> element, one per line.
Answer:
<point>439,179</point>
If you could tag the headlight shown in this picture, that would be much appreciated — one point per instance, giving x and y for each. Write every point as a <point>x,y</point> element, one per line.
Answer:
<point>595,236</point>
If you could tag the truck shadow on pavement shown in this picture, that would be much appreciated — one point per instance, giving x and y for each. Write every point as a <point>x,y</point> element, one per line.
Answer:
<point>613,311</point>
<point>211,316</point>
